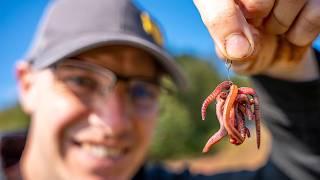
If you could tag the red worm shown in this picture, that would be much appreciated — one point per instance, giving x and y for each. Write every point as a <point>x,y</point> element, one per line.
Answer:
<point>252,92</point>
<point>243,99</point>
<point>222,131</point>
<point>241,122</point>
<point>236,121</point>
<point>234,133</point>
<point>232,118</point>
<point>225,85</point>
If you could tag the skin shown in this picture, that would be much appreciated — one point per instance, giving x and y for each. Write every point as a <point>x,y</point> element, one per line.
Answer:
<point>59,117</point>
<point>271,37</point>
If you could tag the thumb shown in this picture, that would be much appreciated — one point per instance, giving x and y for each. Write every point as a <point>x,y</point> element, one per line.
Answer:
<point>228,28</point>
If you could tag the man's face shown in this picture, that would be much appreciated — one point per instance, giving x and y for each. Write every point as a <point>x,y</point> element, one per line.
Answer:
<point>77,137</point>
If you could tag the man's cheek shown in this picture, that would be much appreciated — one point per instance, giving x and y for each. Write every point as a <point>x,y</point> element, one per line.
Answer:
<point>147,130</point>
<point>67,111</point>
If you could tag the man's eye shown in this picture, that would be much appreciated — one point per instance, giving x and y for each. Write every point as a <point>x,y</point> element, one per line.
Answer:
<point>140,92</point>
<point>81,83</point>
<point>143,94</point>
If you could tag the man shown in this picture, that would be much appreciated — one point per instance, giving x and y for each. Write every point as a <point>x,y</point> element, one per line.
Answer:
<point>91,85</point>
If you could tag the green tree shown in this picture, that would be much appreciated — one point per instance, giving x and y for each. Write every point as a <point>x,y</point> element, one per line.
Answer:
<point>13,118</point>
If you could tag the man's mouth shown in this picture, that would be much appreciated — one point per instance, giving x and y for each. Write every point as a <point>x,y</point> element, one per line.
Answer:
<point>101,151</point>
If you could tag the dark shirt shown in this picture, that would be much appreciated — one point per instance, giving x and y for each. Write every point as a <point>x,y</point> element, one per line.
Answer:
<point>291,111</point>
<point>268,172</point>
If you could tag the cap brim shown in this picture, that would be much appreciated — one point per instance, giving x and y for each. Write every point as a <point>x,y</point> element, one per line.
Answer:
<point>84,43</point>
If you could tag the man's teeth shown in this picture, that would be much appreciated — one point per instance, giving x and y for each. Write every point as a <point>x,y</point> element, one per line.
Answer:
<point>101,151</point>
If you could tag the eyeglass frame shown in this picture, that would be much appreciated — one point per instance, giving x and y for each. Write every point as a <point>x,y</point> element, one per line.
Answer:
<point>116,77</point>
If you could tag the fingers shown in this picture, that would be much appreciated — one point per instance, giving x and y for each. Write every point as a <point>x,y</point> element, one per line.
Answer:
<point>255,10</point>
<point>264,58</point>
<point>283,15</point>
<point>258,34</point>
<point>307,26</point>
<point>228,28</point>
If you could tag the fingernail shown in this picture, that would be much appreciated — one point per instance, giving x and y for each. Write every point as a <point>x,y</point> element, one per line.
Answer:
<point>237,46</point>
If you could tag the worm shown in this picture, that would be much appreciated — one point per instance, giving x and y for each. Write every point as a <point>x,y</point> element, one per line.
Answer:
<point>243,99</point>
<point>252,92</point>
<point>241,121</point>
<point>222,131</point>
<point>225,85</point>
<point>226,114</point>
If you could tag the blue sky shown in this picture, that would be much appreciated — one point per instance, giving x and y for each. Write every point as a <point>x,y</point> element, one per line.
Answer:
<point>184,33</point>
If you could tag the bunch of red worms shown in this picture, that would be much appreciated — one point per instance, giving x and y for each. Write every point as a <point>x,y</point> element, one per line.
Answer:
<point>233,107</point>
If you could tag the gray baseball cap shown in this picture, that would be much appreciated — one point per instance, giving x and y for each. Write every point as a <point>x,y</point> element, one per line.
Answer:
<point>74,26</point>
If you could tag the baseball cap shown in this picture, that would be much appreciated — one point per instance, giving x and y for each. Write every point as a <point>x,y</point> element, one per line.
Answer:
<point>74,26</point>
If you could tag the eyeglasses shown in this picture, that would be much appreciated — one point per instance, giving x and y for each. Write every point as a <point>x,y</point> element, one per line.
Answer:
<point>93,84</point>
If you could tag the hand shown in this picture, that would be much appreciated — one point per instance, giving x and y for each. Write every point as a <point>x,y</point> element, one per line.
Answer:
<point>264,36</point>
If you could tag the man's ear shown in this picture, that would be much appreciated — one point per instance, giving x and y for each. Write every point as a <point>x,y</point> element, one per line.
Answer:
<point>24,75</point>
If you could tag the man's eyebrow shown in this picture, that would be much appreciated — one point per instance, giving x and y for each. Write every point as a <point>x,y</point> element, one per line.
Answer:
<point>76,58</point>
<point>122,77</point>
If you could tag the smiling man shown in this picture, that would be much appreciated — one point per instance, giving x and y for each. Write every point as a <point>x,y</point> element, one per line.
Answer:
<point>92,114</point>
<point>91,85</point>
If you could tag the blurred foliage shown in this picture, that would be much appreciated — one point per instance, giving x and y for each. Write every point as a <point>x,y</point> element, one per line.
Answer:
<point>13,118</point>
<point>180,132</point>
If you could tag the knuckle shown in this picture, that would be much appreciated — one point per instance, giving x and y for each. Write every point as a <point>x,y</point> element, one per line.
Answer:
<point>221,17</point>
<point>292,1</point>
<point>258,6</point>
<point>312,24</point>
<point>312,16</point>
<point>282,26</point>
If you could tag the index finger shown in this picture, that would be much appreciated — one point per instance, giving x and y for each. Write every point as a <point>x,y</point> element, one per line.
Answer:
<point>228,28</point>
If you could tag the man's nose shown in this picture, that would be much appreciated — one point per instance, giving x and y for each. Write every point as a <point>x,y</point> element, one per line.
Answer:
<point>112,115</point>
